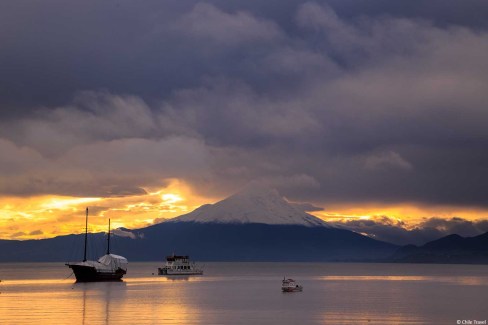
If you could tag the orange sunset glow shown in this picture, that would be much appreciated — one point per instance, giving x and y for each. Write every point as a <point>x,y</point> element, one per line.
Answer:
<point>49,216</point>
<point>409,213</point>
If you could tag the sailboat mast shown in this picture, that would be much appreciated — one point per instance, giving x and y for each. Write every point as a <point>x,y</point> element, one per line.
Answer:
<point>108,238</point>
<point>86,234</point>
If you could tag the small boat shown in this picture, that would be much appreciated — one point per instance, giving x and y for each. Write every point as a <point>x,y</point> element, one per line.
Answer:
<point>179,265</point>
<point>109,267</point>
<point>289,285</point>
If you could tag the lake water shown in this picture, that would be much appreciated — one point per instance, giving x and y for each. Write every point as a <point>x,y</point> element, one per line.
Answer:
<point>249,293</point>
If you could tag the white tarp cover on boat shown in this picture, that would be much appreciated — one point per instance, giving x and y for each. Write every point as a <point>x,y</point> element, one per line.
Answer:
<point>113,261</point>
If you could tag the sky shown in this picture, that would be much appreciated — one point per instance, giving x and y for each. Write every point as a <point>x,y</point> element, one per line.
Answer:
<point>373,110</point>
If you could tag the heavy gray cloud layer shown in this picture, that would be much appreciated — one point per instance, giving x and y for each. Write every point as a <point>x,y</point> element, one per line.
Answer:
<point>346,101</point>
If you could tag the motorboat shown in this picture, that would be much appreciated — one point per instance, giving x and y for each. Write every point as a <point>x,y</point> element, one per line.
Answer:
<point>179,265</point>
<point>290,285</point>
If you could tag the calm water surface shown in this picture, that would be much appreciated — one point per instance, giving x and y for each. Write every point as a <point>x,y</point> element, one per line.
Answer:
<point>248,293</point>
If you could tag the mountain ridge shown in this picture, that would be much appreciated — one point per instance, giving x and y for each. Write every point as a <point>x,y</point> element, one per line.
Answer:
<point>448,249</point>
<point>212,242</point>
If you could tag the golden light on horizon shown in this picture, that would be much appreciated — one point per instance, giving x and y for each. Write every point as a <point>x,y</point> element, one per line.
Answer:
<point>62,203</point>
<point>48,216</point>
<point>171,198</point>
<point>409,213</point>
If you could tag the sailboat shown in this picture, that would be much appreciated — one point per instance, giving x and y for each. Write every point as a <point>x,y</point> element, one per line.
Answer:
<point>109,267</point>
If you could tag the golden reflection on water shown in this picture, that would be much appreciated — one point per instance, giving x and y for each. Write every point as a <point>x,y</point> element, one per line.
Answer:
<point>462,280</point>
<point>161,279</point>
<point>31,282</point>
<point>171,305</point>
<point>370,318</point>
<point>332,299</point>
<point>66,302</point>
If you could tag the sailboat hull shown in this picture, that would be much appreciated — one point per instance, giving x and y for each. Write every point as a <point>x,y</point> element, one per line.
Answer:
<point>84,273</point>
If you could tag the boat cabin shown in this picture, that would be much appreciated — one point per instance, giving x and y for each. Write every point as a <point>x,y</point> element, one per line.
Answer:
<point>179,265</point>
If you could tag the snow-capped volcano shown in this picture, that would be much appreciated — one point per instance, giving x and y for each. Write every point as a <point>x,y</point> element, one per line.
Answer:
<point>253,225</point>
<point>252,205</point>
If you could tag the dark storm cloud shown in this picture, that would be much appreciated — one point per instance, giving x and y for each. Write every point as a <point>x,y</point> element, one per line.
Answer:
<point>306,207</point>
<point>394,231</point>
<point>345,101</point>
<point>49,50</point>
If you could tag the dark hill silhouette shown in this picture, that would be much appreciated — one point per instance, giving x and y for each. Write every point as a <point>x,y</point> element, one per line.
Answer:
<point>214,242</point>
<point>449,249</point>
